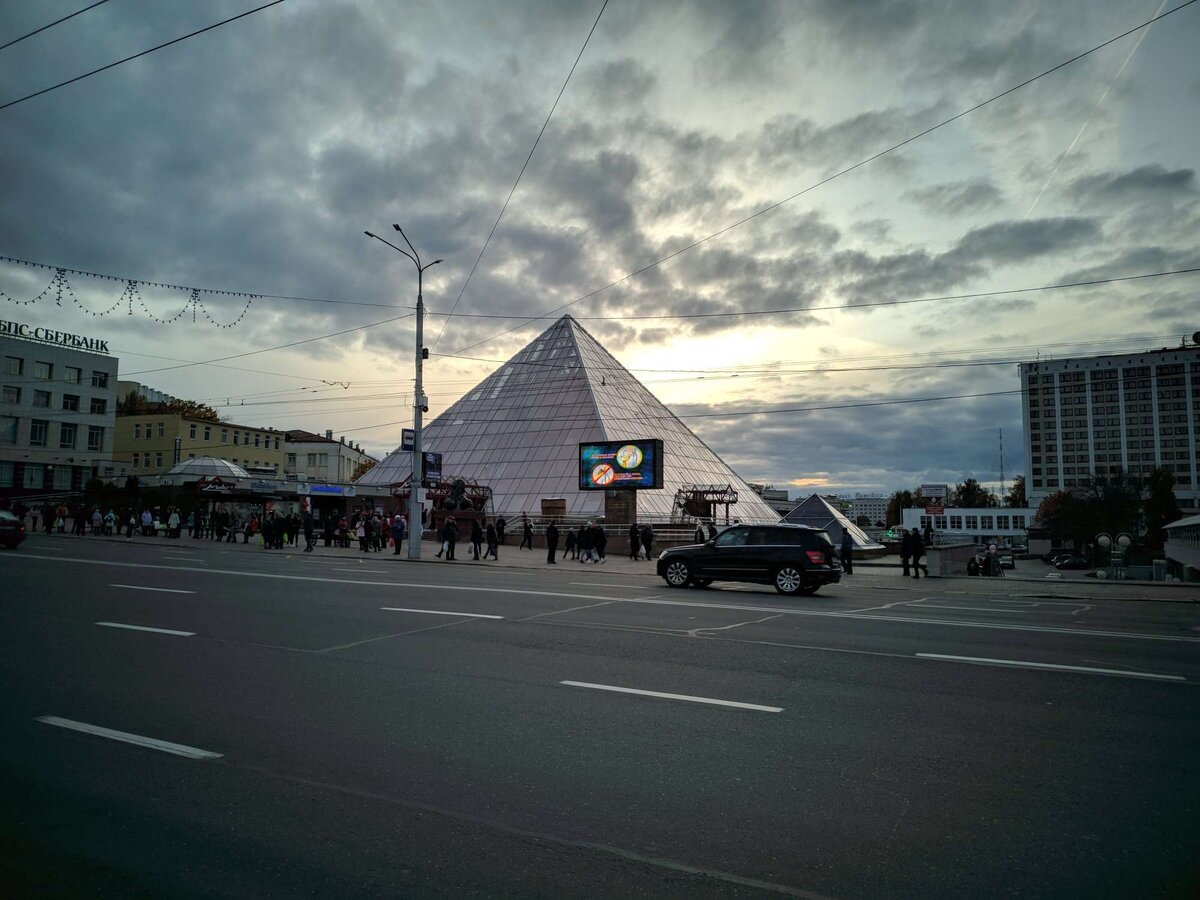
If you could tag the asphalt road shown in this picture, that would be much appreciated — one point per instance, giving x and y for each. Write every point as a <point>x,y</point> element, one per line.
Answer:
<point>376,727</point>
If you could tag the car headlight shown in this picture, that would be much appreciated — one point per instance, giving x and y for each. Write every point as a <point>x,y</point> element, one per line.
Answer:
<point>662,554</point>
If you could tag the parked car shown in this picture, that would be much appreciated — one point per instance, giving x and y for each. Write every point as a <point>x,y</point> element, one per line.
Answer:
<point>1072,562</point>
<point>12,529</point>
<point>1007,561</point>
<point>796,559</point>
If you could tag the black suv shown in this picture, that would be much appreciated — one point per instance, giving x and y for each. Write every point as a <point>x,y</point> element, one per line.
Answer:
<point>12,529</point>
<point>795,558</point>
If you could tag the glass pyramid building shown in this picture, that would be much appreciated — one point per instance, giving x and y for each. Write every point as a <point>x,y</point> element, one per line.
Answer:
<point>518,432</point>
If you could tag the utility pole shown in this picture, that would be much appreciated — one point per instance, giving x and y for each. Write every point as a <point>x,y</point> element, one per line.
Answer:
<point>416,491</point>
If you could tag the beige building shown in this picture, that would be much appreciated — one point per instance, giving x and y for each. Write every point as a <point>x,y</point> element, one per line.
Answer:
<point>151,443</point>
<point>316,458</point>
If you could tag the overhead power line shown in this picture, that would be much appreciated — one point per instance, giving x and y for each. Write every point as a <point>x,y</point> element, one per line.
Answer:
<point>834,176</point>
<point>536,140</point>
<point>111,65</point>
<point>52,24</point>
<point>182,287</point>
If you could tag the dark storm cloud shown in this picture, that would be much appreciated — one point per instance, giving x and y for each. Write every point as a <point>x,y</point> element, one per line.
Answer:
<point>1134,185</point>
<point>618,83</point>
<point>746,41</point>
<point>957,197</point>
<point>1013,241</point>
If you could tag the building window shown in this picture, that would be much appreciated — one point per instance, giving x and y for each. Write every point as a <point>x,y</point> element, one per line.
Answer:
<point>276,443</point>
<point>137,460</point>
<point>225,436</point>
<point>207,433</point>
<point>12,394</point>
<point>1018,521</point>
<point>34,476</point>
<point>73,375</point>
<point>99,379</point>
<point>7,473</point>
<point>956,523</point>
<point>162,430</point>
<point>192,431</point>
<point>158,460</point>
<point>41,399</point>
<point>38,430</point>
<point>137,432</point>
<point>256,439</point>
<point>8,429</point>
<point>312,460</point>
<point>71,402</point>
<point>985,522</point>
<point>62,478</point>
<point>42,371</point>
<point>66,436</point>
<point>1002,523</point>
<point>235,439</point>
<point>95,438</point>
<point>291,460</point>
<point>99,406</point>
<point>13,365</point>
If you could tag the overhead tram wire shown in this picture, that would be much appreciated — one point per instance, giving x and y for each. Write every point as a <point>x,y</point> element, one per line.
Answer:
<point>835,175</point>
<point>111,65</point>
<point>536,140</point>
<point>52,24</point>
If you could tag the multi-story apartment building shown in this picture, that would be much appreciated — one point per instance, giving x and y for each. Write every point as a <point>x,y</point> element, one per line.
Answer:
<point>316,458</point>
<point>873,506</point>
<point>150,443</point>
<point>57,410</point>
<point>776,498</point>
<point>1093,415</point>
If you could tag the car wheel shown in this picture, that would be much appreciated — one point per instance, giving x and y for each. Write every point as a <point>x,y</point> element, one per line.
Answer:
<point>789,580</point>
<point>701,582</point>
<point>677,574</point>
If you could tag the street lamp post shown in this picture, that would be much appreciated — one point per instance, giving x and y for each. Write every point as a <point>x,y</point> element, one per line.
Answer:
<point>1116,547</point>
<point>420,404</point>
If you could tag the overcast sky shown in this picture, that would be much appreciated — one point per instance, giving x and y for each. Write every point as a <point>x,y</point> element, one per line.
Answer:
<point>252,158</point>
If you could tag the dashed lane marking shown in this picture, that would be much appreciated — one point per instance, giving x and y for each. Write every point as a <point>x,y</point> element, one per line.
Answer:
<point>147,628</point>
<point>440,612</point>
<point>126,737</point>
<point>709,700</point>
<point>141,587</point>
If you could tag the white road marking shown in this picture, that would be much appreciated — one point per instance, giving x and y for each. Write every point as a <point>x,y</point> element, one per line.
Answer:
<point>138,587</point>
<point>439,612</point>
<point>139,740</point>
<point>709,700</point>
<point>360,571</point>
<point>636,587</point>
<point>998,626</point>
<point>1022,664</point>
<point>145,628</point>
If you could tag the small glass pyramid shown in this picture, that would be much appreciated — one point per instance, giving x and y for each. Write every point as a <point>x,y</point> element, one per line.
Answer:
<point>518,432</point>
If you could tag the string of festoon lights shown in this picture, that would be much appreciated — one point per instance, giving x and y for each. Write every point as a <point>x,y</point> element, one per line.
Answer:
<point>60,286</point>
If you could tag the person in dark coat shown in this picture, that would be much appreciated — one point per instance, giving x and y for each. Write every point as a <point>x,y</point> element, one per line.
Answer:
<point>398,526</point>
<point>500,526</point>
<point>526,534</point>
<point>712,531</point>
<point>476,538</point>
<point>309,532</point>
<point>600,540</point>
<point>847,552</point>
<point>493,541</point>
<point>648,540</point>
<point>551,543</point>
<point>571,545</point>
<point>918,550</point>
<point>587,540</point>
<point>905,550</point>
<point>635,541</point>
<point>451,537</point>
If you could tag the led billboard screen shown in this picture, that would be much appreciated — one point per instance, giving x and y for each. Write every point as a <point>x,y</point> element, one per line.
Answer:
<point>623,465</point>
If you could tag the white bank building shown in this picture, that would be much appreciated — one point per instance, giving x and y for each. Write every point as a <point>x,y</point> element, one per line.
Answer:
<point>979,525</point>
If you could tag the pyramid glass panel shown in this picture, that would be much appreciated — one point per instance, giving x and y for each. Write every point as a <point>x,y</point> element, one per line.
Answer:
<point>518,432</point>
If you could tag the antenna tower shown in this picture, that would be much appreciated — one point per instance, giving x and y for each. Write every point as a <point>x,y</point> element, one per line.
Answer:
<point>1003,489</point>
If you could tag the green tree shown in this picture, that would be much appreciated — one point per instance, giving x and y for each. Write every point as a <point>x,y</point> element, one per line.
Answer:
<point>970,494</point>
<point>900,501</point>
<point>1016,498</point>
<point>1161,507</point>
<point>363,468</point>
<point>1059,514</point>
<point>1110,503</point>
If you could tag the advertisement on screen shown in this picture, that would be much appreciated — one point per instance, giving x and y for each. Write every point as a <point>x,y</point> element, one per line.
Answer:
<point>621,465</point>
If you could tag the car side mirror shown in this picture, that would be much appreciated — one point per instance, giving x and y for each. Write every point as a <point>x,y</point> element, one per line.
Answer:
<point>712,544</point>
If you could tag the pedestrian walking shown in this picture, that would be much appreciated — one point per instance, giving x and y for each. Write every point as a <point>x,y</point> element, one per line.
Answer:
<point>526,534</point>
<point>635,541</point>
<point>601,541</point>
<point>648,539</point>
<point>905,550</point>
<point>397,533</point>
<point>572,545</point>
<point>699,535</point>
<point>451,532</point>
<point>476,539</point>
<point>551,543</point>
<point>492,540</point>
<point>500,526</point>
<point>587,540</point>
<point>309,532</point>
<point>918,550</point>
<point>847,552</point>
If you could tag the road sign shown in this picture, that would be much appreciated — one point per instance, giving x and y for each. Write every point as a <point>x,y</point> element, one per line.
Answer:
<point>407,438</point>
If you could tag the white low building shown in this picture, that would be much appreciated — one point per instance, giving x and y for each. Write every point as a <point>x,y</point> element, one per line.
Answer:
<point>979,525</point>
<point>316,458</point>
<point>1183,547</point>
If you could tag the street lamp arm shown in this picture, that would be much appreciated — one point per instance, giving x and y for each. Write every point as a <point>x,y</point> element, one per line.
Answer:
<point>407,241</point>
<point>394,247</point>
